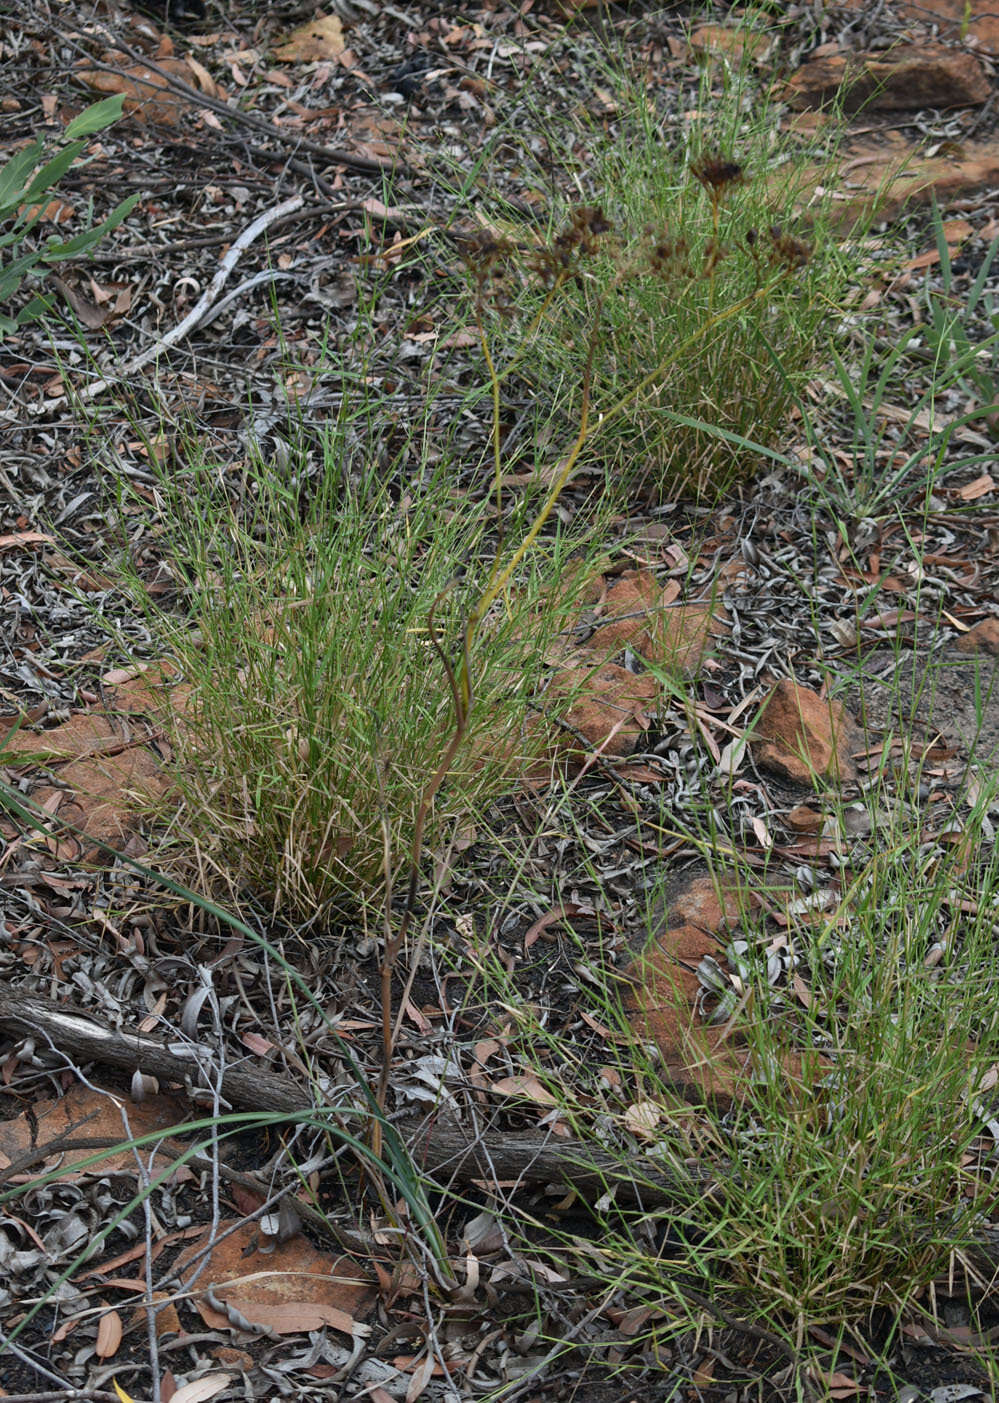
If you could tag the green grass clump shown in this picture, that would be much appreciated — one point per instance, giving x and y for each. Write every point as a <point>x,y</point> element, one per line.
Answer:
<point>699,264</point>
<point>855,1158</point>
<point>322,637</point>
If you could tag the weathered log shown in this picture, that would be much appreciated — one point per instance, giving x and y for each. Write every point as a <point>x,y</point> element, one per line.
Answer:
<point>441,1149</point>
<point>444,1151</point>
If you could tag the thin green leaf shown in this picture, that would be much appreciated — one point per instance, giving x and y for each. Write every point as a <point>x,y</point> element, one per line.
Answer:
<point>96,117</point>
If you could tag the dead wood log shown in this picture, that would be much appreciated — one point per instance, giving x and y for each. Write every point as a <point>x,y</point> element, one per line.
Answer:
<point>441,1149</point>
<point>444,1151</point>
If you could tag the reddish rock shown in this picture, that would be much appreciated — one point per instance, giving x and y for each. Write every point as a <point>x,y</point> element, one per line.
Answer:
<point>735,42</point>
<point>610,706</point>
<point>907,77</point>
<point>640,614</point>
<point>627,614</point>
<point>879,179</point>
<point>803,737</point>
<point>704,1062</point>
<point>803,819</point>
<point>108,763</point>
<point>982,638</point>
<point>664,990</point>
<point>956,20</point>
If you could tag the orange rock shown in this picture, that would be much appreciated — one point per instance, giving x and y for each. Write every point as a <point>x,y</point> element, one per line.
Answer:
<point>907,77</point>
<point>982,638</point>
<point>956,19</point>
<point>879,179</point>
<point>610,707</point>
<point>803,737</point>
<point>108,770</point>
<point>803,819</point>
<point>628,612</point>
<point>664,989</point>
<point>731,41</point>
<point>704,1062</point>
<point>640,614</point>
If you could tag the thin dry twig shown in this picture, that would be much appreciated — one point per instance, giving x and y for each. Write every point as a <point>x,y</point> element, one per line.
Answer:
<point>196,315</point>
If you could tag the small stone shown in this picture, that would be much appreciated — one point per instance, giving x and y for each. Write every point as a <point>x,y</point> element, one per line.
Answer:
<point>804,819</point>
<point>908,77</point>
<point>705,1063</point>
<point>729,41</point>
<point>957,19</point>
<point>983,637</point>
<point>664,990</point>
<point>610,707</point>
<point>803,737</point>
<point>639,614</point>
<point>880,178</point>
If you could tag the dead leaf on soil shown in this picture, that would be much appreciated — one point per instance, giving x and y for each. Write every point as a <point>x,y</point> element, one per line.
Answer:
<point>24,538</point>
<point>85,1114</point>
<point>94,311</point>
<point>292,1288</point>
<point>109,1334</point>
<point>321,38</point>
<point>526,1086</point>
<point>147,93</point>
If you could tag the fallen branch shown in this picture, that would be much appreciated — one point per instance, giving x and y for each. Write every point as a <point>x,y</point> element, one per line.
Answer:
<point>440,1149</point>
<point>334,154</point>
<point>198,313</point>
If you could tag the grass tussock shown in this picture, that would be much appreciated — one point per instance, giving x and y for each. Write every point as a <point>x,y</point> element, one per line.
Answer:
<point>854,1161</point>
<point>689,303</point>
<point>321,642</point>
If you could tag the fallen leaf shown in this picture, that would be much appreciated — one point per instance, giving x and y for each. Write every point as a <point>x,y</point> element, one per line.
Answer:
<point>109,1333</point>
<point>980,487</point>
<point>147,93</point>
<point>420,1379</point>
<point>89,312</point>
<point>837,1385</point>
<point>550,918</point>
<point>643,1119</point>
<point>527,1086</point>
<point>24,538</point>
<point>256,1043</point>
<point>321,38</point>
<point>207,85</point>
<point>199,1390</point>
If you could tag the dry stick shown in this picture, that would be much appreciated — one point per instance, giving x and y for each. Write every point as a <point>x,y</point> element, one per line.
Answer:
<point>436,1147</point>
<point>366,164</point>
<point>461,684</point>
<point>197,313</point>
<point>394,943</point>
<point>460,681</point>
<point>65,1395</point>
<point>442,1150</point>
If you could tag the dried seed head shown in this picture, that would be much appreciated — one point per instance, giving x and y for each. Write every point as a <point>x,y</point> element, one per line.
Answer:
<point>716,175</point>
<point>579,239</point>
<point>483,251</point>
<point>586,224</point>
<point>792,252</point>
<point>668,256</point>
